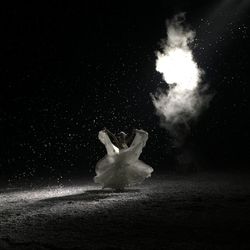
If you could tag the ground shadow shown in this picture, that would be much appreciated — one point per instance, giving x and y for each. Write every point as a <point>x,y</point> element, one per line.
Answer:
<point>110,191</point>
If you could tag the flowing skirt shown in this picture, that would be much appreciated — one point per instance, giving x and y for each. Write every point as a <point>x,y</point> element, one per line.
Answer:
<point>122,168</point>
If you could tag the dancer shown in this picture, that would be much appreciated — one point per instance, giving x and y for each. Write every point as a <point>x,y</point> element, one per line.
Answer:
<point>121,166</point>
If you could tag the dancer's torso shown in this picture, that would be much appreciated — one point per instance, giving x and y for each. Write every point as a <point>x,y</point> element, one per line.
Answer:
<point>123,146</point>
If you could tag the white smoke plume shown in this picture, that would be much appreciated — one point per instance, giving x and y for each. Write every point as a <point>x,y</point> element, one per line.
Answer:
<point>182,101</point>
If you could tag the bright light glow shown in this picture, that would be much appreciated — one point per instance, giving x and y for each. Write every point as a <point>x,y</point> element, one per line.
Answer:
<point>178,66</point>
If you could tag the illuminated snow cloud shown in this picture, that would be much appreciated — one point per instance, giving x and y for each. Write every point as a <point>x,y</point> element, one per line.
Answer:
<point>182,100</point>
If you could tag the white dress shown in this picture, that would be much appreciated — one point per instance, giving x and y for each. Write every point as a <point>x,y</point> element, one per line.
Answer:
<point>122,168</point>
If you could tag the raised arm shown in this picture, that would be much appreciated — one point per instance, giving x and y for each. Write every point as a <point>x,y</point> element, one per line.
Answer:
<point>111,135</point>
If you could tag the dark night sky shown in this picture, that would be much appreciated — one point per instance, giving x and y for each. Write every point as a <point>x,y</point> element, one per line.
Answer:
<point>67,71</point>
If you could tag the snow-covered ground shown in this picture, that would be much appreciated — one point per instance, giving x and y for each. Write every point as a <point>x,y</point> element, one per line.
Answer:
<point>205,211</point>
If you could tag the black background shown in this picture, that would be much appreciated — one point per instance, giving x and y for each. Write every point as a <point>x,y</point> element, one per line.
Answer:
<point>67,71</point>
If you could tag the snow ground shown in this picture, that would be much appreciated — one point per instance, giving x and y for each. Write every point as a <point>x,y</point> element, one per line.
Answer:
<point>205,211</point>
